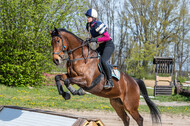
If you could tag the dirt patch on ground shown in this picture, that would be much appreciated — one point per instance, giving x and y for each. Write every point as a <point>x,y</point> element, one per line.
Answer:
<point>149,83</point>
<point>111,118</point>
<point>174,103</point>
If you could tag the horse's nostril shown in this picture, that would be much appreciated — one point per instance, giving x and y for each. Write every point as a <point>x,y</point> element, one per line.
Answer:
<point>56,61</point>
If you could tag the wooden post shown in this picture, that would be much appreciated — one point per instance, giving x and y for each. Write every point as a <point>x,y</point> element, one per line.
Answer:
<point>175,83</point>
<point>156,71</point>
<point>171,74</point>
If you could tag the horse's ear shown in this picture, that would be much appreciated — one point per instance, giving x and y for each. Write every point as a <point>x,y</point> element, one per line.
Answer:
<point>56,30</point>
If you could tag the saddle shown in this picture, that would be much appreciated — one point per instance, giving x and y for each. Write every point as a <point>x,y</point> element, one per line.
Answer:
<point>115,72</point>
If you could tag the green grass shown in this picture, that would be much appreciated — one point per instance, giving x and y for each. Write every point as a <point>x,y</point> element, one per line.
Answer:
<point>169,98</point>
<point>150,92</point>
<point>47,97</point>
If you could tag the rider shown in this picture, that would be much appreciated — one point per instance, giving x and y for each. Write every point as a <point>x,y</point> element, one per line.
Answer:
<point>99,34</point>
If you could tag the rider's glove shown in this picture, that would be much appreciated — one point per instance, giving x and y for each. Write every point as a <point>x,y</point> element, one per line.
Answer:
<point>94,40</point>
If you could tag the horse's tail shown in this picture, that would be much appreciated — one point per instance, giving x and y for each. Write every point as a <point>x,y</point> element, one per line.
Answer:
<point>155,113</point>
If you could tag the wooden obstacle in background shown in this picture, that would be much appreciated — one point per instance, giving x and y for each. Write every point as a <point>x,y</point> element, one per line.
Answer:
<point>163,85</point>
<point>14,115</point>
<point>166,79</point>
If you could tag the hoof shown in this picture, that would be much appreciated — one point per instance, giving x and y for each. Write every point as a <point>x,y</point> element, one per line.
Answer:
<point>66,96</point>
<point>81,92</point>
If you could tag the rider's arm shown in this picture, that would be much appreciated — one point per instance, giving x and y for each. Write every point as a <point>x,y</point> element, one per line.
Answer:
<point>106,37</point>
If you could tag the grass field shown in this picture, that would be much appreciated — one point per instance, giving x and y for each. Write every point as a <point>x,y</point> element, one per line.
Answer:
<point>46,97</point>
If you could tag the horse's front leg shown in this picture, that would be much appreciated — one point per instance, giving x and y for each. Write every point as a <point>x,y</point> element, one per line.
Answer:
<point>64,77</point>
<point>65,95</point>
<point>68,82</point>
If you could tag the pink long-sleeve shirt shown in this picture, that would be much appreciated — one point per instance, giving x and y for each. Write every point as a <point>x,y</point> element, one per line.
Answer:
<point>106,37</point>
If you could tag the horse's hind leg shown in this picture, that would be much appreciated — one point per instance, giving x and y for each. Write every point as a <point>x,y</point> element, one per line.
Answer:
<point>133,111</point>
<point>119,108</point>
<point>137,117</point>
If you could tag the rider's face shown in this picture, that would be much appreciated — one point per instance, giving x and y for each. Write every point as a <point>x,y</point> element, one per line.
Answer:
<point>89,19</point>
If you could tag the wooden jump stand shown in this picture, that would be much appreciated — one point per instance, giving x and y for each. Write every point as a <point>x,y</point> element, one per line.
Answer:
<point>163,85</point>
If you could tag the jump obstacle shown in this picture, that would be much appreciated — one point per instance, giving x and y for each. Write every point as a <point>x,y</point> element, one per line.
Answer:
<point>163,85</point>
<point>21,116</point>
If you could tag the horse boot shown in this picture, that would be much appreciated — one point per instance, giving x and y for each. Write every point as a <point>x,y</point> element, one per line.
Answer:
<point>73,90</point>
<point>65,95</point>
<point>109,83</point>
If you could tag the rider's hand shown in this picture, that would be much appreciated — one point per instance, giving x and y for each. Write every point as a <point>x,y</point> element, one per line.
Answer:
<point>94,40</point>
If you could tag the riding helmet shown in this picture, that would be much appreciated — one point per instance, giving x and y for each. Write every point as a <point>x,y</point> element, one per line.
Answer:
<point>92,13</point>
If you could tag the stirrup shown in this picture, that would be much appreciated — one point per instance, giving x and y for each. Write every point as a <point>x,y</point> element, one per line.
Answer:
<point>109,85</point>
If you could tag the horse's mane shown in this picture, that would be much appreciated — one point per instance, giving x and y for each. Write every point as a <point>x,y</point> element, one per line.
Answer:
<point>81,40</point>
<point>64,30</point>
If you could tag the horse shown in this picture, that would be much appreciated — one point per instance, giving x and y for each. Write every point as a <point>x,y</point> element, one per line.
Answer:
<point>82,70</point>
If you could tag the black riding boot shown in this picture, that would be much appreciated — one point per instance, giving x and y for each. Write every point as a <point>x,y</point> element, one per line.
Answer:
<point>109,83</point>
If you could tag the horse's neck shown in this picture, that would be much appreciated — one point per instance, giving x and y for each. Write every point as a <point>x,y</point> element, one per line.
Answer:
<point>75,43</point>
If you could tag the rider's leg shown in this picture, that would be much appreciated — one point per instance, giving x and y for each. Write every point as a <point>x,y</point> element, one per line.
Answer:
<point>108,50</point>
<point>108,75</point>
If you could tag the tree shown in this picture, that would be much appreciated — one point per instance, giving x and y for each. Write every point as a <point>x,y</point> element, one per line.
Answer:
<point>183,42</point>
<point>25,41</point>
<point>151,27</point>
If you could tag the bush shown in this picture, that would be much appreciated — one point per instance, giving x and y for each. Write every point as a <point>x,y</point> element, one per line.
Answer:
<point>181,79</point>
<point>23,69</point>
<point>25,40</point>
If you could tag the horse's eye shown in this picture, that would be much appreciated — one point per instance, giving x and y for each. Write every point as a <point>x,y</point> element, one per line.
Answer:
<point>57,41</point>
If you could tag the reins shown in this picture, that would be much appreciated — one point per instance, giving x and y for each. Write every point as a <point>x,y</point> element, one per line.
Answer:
<point>84,43</point>
<point>84,58</point>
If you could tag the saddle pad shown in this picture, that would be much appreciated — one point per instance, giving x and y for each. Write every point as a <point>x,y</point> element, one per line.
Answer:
<point>116,74</point>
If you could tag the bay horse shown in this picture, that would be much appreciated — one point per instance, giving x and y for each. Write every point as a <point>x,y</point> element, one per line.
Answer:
<point>82,70</point>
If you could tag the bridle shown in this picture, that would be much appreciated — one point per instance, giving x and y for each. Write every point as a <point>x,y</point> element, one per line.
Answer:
<point>64,50</point>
